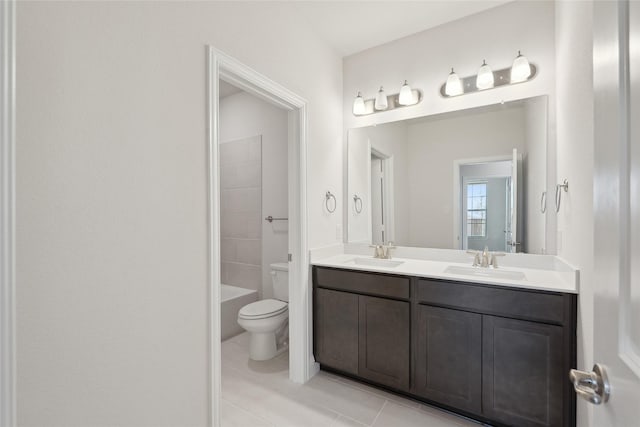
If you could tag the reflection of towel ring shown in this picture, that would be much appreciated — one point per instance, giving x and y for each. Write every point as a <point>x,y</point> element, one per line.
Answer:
<point>328,197</point>
<point>543,202</point>
<point>357,200</point>
<point>559,187</point>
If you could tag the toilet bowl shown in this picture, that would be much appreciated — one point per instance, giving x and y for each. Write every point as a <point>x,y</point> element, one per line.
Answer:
<point>266,320</point>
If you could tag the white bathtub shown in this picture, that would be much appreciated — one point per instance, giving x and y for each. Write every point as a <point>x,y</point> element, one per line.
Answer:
<point>233,298</point>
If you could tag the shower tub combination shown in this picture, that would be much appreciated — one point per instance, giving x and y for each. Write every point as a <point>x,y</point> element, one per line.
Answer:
<point>233,298</point>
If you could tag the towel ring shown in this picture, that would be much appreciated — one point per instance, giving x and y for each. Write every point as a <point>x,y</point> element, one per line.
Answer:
<point>543,202</point>
<point>328,196</point>
<point>559,187</point>
<point>357,200</point>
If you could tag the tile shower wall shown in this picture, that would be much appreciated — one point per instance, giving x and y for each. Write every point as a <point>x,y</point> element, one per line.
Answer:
<point>243,115</point>
<point>241,212</point>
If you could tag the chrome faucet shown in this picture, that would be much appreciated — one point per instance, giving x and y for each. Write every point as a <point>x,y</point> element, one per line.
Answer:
<point>378,251</point>
<point>485,258</point>
<point>484,263</point>
<point>382,251</point>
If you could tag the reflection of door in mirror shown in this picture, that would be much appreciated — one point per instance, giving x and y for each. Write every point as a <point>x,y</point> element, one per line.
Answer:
<point>377,200</point>
<point>487,213</point>
<point>382,217</point>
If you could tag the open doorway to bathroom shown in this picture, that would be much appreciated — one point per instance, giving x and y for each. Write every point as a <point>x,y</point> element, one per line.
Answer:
<point>253,158</point>
<point>295,365</point>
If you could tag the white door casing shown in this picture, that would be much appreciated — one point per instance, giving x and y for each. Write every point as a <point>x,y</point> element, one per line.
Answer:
<point>7,215</point>
<point>301,363</point>
<point>377,224</point>
<point>617,208</point>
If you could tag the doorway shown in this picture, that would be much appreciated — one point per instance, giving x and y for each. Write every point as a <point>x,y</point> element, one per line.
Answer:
<point>488,203</point>
<point>223,67</point>
<point>377,200</point>
<point>381,196</point>
<point>486,207</point>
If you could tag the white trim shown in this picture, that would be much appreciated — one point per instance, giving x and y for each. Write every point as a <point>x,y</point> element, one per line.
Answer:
<point>7,216</point>
<point>302,366</point>
<point>627,349</point>
<point>388,201</point>
<point>370,196</point>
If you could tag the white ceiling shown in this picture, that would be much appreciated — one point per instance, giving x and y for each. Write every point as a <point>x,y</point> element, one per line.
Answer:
<point>354,26</point>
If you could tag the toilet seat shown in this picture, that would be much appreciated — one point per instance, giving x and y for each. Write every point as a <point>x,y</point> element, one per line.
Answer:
<point>263,309</point>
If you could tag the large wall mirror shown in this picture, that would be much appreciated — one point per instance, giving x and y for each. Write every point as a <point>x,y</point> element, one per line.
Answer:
<point>461,180</point>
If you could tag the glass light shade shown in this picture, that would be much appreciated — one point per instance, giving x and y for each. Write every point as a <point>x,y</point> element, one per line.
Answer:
<point>484,80</point>
<point>454,85</point>
<point>521,69</point>
<point>381,100</point>
<point>358,105</point>
<point>406,96</point>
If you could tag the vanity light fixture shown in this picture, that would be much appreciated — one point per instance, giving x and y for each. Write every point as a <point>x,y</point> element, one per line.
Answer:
<point>521,69</point>
<point>381,100</point>
<point>485,79</point>
<point>453,86</point>
<point>406,96</point>
<point>358,105</point>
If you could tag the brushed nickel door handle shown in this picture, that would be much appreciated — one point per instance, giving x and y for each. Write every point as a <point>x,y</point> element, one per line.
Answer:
<point>591,386</point>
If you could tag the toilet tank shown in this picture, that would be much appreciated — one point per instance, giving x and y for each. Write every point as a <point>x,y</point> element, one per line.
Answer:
<point>280,278</point>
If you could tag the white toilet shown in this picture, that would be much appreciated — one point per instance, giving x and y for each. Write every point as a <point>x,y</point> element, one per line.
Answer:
<point>266,320</point>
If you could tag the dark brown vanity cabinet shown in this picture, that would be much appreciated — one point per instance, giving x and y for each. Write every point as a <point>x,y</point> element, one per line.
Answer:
<point>383,339</point>
<point>448,357</point>
<point>336,329</point>
<point>359,334</point>
<point>498,354</point>
<point>506,352</point>
<point>523,372</point>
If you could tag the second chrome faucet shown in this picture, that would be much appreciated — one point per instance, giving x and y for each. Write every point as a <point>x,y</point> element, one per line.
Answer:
<point>485,258</point>
<point>383,251</point>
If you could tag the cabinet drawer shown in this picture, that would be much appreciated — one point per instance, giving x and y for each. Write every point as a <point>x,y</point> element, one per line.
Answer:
<point>538,306</point>
<point>365,283</point>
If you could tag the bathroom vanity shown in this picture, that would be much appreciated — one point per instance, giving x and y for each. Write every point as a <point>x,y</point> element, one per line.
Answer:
<point>487,350</point>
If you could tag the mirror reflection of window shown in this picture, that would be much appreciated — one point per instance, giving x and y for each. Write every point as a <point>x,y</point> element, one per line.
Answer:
<point>477,209</point>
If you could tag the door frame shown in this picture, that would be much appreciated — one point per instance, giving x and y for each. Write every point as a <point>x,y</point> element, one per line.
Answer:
<point>302,365</point>
<point>7,215</point>
<point>388,201</point>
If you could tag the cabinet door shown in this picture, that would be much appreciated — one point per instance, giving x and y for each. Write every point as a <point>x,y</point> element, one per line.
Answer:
<point>522,372</point>
<point>448,357</point>
<point>336,329</point>
<point>384,341</point>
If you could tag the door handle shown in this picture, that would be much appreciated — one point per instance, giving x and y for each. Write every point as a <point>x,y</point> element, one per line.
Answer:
<point>591,386</point>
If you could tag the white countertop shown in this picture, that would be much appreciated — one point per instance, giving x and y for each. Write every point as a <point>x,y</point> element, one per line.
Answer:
<point>554,276</point>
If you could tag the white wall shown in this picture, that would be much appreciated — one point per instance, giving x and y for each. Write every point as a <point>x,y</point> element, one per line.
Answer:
<point>574,44</point>
<point>426,58</point>
<point>390,140</point>
<point>358,176</point>
<point>241,116</point>
<point>536,234</point>
<point>111,196</point>
<point>471,136</point>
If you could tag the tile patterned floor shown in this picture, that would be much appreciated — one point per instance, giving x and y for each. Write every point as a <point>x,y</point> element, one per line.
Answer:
<point>257,394</point>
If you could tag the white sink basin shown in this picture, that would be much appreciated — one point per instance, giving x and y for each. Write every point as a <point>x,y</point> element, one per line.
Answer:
<point>377,262</point>
<point>486,272</point>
